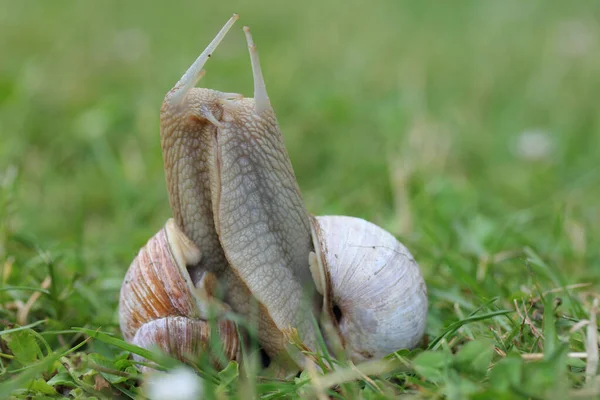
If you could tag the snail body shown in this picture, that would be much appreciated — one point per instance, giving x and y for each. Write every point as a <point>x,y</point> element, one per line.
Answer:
<point>230,182</point>
<point>260,217</point>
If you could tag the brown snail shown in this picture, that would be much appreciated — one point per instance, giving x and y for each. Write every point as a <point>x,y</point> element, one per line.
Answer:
<point>235,199</point>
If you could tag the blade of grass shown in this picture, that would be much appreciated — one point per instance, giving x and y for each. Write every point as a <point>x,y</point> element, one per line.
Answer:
<point>456,325</point>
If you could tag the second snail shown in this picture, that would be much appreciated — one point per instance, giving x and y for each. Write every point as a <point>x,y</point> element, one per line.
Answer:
<point>240,228</point>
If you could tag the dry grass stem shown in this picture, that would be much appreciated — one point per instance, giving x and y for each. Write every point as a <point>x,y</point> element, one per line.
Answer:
<point>24,311</point>
<point>591,346</point>
<point>344,375</point>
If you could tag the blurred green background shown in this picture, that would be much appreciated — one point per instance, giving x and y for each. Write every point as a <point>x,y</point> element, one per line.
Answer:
<point>469,129</point>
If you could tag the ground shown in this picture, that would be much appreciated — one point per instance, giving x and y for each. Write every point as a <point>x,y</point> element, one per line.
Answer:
<point>470,130</point>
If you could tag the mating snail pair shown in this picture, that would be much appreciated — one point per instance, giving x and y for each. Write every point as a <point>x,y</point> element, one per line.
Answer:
<point>240,227</point>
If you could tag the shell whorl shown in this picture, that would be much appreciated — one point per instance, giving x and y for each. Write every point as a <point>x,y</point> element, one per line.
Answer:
<point>161,306</point>
<point>373,286</point>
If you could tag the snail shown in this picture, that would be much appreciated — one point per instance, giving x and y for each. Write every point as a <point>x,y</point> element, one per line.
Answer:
<point>242,224</point>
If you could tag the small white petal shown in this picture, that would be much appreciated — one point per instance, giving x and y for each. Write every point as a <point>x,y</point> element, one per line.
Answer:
<point>179,384</point>
<point>534,145</point>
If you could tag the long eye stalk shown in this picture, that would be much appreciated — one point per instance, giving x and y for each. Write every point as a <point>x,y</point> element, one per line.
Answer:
<point>194,72</point>
<point>261,99</point>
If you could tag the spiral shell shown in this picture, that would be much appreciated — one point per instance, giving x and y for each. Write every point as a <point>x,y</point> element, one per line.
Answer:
<point>372,287</point>
<point>160,305</point>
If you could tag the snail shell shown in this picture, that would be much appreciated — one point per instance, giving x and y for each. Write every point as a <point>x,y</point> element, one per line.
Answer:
<point>373,289</point>
<point>160,305</point>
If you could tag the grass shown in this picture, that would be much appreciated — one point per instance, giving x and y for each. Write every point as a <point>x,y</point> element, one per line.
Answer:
<point>468,129</point>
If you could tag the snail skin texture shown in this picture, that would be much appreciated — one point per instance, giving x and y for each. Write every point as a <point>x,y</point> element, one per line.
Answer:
<point>240,225</point>
<point>233,192</point>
